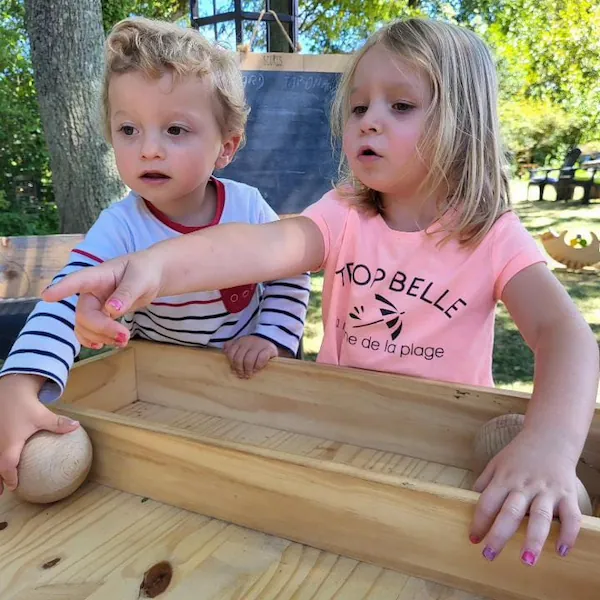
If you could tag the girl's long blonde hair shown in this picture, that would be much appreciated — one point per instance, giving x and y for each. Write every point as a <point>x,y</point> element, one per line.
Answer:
<point>462,139</point>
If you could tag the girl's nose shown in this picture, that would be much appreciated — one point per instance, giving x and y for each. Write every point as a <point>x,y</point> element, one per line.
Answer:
<point>371,121</point>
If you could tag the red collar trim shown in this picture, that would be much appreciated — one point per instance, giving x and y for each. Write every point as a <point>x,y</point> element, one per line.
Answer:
<point>184,228</point>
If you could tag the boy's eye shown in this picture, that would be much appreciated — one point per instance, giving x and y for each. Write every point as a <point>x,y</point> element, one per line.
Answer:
<point>127,129</point>
<point>175,130</point>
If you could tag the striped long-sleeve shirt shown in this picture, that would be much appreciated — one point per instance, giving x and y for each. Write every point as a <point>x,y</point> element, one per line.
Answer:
<point>274,310</point>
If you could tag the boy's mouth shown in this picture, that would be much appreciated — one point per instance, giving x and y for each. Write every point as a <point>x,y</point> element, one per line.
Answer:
<point>154,176</point>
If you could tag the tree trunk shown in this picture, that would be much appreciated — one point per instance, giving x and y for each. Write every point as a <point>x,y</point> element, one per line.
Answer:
<point>279,43</point>
<point>67,39</point>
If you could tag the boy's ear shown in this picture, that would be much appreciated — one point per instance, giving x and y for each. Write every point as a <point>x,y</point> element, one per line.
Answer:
<point>229,147</point>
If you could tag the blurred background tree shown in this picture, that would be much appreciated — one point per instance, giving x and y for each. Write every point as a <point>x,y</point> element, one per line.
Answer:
<point>548,55</point>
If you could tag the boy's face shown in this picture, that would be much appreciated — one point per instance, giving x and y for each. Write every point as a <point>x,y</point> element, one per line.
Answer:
<point>166,138</point>
<point>388,102</point>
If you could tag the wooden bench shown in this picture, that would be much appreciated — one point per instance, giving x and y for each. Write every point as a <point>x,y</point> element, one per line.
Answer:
<point>27,265</point>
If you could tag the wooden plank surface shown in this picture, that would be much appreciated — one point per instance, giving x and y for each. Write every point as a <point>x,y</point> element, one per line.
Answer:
<point>431,420</point>
<point>28,263</point>
<point>400,523</point>
<point>106,381</point>
<point>106,540</point>
<point>277,61</point>
<point>229,430</point>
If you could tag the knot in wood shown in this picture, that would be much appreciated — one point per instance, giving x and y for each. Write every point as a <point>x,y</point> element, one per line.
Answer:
<point>156,580</point>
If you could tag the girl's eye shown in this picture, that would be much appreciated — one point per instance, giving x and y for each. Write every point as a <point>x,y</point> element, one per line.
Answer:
<point>359,110</point>
<point>127,129</point>
<point>403,106</point>
<point>175,130</point>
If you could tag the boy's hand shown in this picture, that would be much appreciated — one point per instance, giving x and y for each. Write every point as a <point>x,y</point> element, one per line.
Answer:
<point>250,354</point>
<point>531,475</point>
<point>21,415</point>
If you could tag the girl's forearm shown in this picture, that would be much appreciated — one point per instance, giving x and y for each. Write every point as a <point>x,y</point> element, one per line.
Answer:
<point>565,384</point>
<point>236,254</point>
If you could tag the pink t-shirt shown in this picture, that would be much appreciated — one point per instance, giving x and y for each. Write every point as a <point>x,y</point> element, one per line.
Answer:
<point>394,301</point>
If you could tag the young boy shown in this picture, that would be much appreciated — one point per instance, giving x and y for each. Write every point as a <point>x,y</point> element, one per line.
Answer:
<point>174,111</point>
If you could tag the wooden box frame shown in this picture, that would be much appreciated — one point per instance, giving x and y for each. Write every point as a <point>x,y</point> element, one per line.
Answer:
<point>415,527</point>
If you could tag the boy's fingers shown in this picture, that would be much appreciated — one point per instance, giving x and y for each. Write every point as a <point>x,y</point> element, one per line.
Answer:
<point>249,362</point>
<point>8,466</point>
<point>263,359</point>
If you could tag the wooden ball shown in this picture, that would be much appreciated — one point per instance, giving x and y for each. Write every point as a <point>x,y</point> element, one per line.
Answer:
<point>497,433</point>
<point>53,465</point>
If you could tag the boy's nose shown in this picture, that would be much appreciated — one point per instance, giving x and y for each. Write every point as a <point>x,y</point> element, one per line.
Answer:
<point>151,148</point>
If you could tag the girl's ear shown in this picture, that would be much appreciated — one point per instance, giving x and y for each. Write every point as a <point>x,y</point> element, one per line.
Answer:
<point>229,147</point>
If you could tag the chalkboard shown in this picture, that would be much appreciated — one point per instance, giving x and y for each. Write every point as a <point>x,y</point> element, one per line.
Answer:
<point>288,154</point>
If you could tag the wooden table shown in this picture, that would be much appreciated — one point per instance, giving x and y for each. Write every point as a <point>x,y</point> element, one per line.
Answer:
<point>97,545</point>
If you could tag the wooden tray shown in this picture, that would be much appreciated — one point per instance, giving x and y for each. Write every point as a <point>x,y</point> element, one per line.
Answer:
<point>369,466</point>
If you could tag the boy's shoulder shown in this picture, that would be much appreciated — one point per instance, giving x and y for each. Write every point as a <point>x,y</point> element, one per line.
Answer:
<point>239,191</point>
<point>242,202</point>
<point>128,207</point>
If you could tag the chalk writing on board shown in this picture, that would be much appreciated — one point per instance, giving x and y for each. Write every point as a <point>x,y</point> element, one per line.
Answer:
<point>255,80</point>
<point>270,60</point>
<point>309,82</point>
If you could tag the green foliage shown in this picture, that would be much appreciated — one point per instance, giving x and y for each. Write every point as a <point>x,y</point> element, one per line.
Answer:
<point>548,55</point>
<point>342,25</point>
<point>546,50</point>
<point>23,152</point>
<point>538,132</point>
<point>114,11</point>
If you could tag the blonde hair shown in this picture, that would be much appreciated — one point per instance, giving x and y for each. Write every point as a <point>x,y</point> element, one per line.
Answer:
<point>461,139</point>
<point>154,48</point>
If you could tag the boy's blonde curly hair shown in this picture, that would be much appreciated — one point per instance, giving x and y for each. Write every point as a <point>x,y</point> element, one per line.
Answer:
<point>462,137</point>
<point>153,48</point>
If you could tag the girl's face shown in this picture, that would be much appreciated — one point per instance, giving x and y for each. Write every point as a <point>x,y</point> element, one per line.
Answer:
<point>389,100</point>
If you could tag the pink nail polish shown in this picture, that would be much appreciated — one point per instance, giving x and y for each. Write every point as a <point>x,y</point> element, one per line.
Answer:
<point>115,304</point>
<point>474,539</point>
<point>528,558</point>
<point>489,553</point>
<point>563,550</point>
<point>121,339</point>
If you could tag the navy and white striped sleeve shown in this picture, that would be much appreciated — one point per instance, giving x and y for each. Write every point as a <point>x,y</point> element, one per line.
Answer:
<point>284,303</point>
<point>47,345</point>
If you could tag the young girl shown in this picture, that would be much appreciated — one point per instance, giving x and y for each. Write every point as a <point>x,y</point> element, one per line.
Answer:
<point>174,111</point>
<point>418,244</point>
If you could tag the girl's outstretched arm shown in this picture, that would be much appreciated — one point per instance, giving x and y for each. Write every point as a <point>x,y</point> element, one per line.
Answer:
<point>535,473</point>
<point>214,258</point>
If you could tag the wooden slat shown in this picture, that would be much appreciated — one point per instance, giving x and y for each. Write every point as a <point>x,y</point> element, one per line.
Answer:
<point>303,445</point>
<point>420,529</point>
<point>28,263</point>
<point>433,421</point>
<point>106,381</point>
<point>106,540</point>
<point>430,420</point>
<point>276,61</point>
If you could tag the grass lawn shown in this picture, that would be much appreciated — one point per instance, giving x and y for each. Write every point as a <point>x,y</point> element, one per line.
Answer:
<point>513,361</point>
